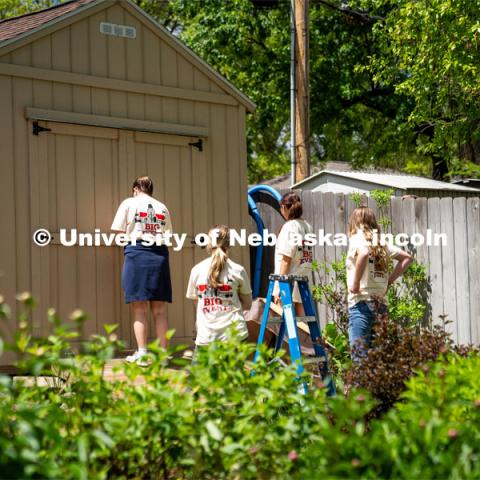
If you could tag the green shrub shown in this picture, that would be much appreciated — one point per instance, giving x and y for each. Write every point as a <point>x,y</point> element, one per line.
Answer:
<point>433,433</point>
<point>407,299</point>
<point>215,420</point>
<point>397,351</point>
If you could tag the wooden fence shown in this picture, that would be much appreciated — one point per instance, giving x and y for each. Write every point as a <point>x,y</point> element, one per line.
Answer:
<point>453,269</point>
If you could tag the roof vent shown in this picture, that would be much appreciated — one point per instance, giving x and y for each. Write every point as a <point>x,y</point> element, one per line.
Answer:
<point>114,30</point>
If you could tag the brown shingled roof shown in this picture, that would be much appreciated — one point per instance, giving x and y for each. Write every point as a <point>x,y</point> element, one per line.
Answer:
<point>11,27</point>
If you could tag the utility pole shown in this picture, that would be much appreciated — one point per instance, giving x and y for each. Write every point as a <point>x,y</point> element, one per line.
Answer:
<point>293,92</point>
<point>301,117</point>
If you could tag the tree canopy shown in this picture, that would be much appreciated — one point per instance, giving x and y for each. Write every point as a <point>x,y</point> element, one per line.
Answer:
<point>429,53</point>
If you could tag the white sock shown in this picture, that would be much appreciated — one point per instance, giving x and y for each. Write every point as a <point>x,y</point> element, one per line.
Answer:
<point>142,351</point>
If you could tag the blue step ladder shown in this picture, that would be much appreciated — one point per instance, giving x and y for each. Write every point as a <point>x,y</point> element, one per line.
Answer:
<point>288,324</point>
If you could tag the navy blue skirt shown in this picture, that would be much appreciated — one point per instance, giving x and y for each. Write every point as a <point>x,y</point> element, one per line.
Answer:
<point>146,274</point>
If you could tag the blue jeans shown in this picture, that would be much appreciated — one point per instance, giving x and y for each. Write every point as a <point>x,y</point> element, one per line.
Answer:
<point>361,318</point>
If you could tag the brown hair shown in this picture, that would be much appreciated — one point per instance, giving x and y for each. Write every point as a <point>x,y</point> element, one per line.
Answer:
<point>293,204</point>
<point>219,252</point>
<point>144,184</point>
<point>363,219</point>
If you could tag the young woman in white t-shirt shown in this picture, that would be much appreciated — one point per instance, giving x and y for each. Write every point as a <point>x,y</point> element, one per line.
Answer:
<point>368,277</point>
<point>146,272</point>
<point>221,290</point>
<point>292,255</point>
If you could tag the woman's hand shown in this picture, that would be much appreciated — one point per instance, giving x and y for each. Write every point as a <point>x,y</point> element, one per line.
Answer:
<point>276,299</point>
<point>404,260</point>
<point>355,288</point>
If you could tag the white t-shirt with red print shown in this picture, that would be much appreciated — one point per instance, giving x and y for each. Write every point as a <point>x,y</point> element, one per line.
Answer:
<point>373,282</point>
<point>291,243</point>
<point>218,308</point>
<point>142,218</point>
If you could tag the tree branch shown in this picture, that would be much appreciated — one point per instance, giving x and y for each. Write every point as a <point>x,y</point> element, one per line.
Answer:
<point>368,99</point>
<point>346,10</point>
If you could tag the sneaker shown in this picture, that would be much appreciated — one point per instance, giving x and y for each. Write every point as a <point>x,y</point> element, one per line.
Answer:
<point>137,358</point>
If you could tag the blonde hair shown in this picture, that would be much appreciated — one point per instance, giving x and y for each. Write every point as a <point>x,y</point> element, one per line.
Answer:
<point>218,249</point>
<point>363,219</point>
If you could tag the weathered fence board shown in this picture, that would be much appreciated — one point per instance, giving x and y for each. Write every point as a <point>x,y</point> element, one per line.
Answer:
<point>448,265</point>
<point>461,270</point>
<point>329,227</point>
<point>397,215</point>
<point>473,255</point>
<point>435,263</point>
<point>420,206</point>
<point>319,250</point>
<point>340,223</point>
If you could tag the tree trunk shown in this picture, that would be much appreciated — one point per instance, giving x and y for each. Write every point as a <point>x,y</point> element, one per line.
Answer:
<point>440,167</point>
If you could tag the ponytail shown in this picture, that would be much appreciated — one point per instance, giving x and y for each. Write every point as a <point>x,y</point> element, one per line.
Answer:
<point>219,259</point>
<point>219,252</point>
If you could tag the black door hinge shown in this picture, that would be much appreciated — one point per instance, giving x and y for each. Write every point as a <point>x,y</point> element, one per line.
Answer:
<point>198,144</point>
<point>39,129</point>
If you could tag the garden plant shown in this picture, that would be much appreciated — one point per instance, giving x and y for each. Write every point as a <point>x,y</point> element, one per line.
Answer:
<point>63,419</point>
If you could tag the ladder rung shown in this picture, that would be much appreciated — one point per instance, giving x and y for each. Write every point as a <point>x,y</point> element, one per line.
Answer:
<point>275,320</point>
<point>287,278</point>
<point>314,360</point>
<point>279,320</point>
<point>307,319</point>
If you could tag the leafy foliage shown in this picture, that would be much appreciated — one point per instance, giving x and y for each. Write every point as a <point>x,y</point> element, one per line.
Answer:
<point>216,420</point>
<point>407,300</point>
<point>433,433</point>
<point>352,119</point>
<point>428,52</point>
<point>14,8</point>
<point>382,198</point>
<point>396,352</point>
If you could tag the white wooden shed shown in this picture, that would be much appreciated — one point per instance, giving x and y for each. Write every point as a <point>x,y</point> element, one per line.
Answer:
<point>94,93</point>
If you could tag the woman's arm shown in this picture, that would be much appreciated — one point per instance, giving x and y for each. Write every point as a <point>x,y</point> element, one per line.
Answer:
<point>360,265</point>
<point>245,301</point>
<point>404,260</point>
<point>285,265</point>
<point>284,270</point>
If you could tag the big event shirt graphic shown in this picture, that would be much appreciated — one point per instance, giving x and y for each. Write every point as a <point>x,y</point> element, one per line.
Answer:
<point>142,218</point>
<point>374,282</point>
<point>218,308</point>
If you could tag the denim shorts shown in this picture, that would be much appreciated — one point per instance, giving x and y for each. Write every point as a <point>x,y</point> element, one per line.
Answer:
<point>361,318</point>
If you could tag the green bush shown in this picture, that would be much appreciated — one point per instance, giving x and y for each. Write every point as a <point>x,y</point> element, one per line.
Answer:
<point>215,420</point>
<point>407,299</point>
<point>212,420</point>
<point>397,352</point>
<point>433,433</point>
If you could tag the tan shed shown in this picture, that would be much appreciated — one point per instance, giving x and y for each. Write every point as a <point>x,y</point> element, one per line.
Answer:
<point>94,93</point>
